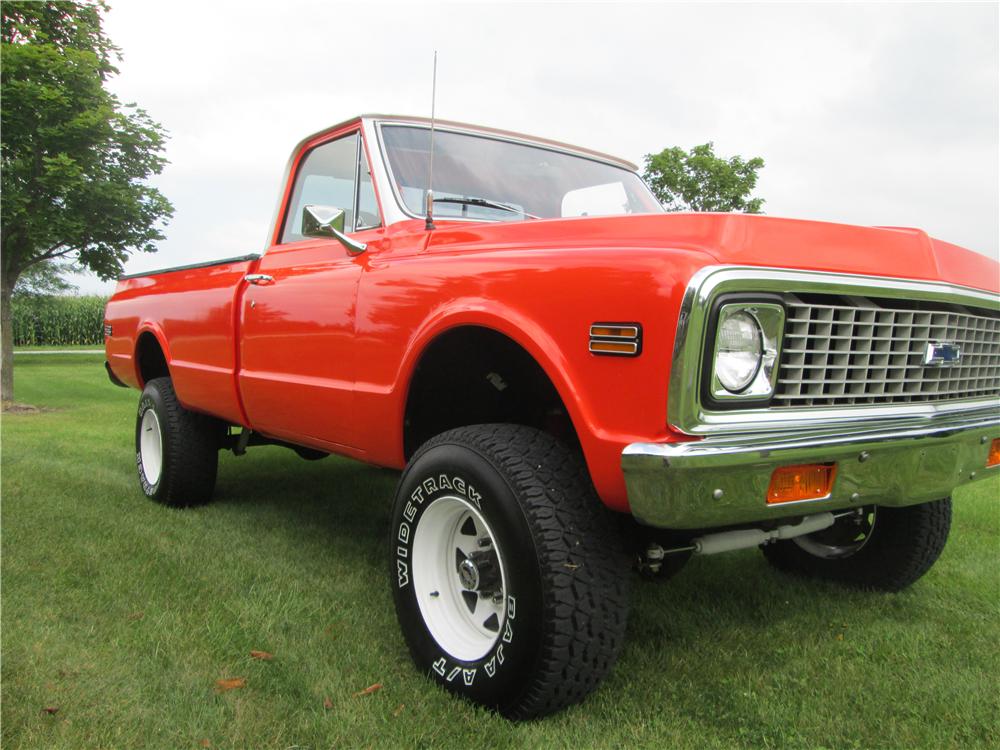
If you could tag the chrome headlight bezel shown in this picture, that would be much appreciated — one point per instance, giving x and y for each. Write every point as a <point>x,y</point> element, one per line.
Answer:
<point>768,315</point>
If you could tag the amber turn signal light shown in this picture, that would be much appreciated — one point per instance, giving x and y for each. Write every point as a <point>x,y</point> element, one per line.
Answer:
<point>619,339</point>
<point>993,459</point>
<point>804,482</point>
<point>616,332</point>
<point>613,347</point>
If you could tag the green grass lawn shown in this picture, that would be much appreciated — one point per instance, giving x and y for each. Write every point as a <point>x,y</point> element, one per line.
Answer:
<point>123,614</point>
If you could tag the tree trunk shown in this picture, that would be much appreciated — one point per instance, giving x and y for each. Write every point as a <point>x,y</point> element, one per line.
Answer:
<point>7,330</point>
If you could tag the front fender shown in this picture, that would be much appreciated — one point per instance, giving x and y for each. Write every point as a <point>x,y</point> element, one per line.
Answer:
<point>601,443</point>
<point>544,300</point>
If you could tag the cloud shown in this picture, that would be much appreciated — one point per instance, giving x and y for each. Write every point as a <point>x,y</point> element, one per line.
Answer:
<point>868,114</point>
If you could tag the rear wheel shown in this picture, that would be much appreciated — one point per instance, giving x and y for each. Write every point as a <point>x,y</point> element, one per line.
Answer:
<point>508,579</point>
<point>877,548</point>
<point>176,450</point>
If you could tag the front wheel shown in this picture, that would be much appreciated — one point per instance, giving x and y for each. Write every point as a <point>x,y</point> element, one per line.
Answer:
<point>176,450</point>
<point>876,548</point>
<point>508,579</point>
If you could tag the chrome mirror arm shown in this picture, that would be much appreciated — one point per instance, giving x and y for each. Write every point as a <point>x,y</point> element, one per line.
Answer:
<point>353,246</point>
<point>325,221</point>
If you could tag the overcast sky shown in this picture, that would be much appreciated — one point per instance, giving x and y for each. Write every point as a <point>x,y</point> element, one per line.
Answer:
<point>866,114</point>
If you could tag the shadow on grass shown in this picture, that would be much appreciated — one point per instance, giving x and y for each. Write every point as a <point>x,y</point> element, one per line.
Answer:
<point>337,507</point>
<point>336,494</point>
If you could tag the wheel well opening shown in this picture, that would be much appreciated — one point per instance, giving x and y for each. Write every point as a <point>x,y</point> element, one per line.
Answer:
<point>473,375</point>
<point>149,358</point>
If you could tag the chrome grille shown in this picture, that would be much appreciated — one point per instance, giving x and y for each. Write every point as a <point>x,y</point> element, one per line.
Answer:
<point>842,351</point>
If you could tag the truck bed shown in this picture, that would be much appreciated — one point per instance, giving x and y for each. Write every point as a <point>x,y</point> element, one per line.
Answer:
<point>194,320</point>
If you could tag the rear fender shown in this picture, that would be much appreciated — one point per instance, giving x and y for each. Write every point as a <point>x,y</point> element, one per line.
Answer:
<point>152,327</point>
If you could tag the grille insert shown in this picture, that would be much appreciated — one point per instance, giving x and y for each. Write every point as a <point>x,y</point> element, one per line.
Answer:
<point>844,351</point>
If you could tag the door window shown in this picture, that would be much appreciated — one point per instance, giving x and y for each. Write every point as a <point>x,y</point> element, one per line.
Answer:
<point>329,176</point>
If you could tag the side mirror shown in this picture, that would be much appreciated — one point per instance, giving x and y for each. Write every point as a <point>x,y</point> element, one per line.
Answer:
<point>326,221</point>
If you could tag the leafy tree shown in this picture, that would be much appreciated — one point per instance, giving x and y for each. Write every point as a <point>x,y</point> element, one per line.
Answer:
<point>75,159</point>
<point>698,180</point>
<point>45,278</point>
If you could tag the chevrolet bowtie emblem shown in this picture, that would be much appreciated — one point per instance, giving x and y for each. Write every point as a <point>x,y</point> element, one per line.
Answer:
<point>941,354</point>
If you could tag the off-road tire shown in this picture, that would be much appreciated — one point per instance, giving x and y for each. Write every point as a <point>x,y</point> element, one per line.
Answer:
<point>188,448</point>
<point>565,568</point>
<point>903,545</point>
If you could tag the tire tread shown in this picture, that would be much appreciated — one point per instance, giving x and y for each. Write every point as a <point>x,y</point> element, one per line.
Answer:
<point>191,451</point>
<point>585,586</point>
<point>905,543</point>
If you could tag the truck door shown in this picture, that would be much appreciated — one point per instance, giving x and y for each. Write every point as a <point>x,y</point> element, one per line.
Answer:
<point>297,310</point>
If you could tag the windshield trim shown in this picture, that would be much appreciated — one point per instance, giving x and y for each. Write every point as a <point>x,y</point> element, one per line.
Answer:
<point>489,135</point>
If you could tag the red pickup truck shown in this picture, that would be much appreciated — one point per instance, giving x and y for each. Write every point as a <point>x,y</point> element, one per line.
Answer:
<point>573,382</point>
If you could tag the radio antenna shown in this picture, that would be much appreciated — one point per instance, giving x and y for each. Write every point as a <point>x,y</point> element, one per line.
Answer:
<point>429,211</point>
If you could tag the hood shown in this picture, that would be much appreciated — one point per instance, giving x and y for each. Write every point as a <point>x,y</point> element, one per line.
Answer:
<point>903,252</point>
<point>745,239</point>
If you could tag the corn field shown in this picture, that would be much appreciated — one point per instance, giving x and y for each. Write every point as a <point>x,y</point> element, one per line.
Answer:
<point>58,321</point>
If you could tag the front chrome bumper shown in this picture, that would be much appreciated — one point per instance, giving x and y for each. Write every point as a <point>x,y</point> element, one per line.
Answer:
<point>723,481</point>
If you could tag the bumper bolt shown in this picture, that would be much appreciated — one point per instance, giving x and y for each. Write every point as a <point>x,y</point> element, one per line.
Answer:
<point>983,440</point>
<point>863,456</point>
<point>972,475</point>
<point>855,497</point>
<point>717,494</point>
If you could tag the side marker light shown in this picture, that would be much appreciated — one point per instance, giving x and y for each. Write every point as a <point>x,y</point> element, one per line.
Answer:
<point>616,339</point>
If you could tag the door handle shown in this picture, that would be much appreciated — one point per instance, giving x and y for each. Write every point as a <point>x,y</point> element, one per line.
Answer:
<point>259,278</point>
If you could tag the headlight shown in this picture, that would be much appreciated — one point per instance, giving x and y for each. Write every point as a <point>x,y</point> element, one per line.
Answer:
<point>738,351</point>
<point>744,361</point>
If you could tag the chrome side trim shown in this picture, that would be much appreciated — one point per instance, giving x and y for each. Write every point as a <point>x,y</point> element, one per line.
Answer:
<point>685,411</point>
<point>358,152</point>
<point>391,213</point>
<point>250,257</point>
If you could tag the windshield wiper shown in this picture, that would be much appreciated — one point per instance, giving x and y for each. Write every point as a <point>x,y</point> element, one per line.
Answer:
<point>473,201</point>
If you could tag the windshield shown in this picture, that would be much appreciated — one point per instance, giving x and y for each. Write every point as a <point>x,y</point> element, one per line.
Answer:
<point>484,178</point>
